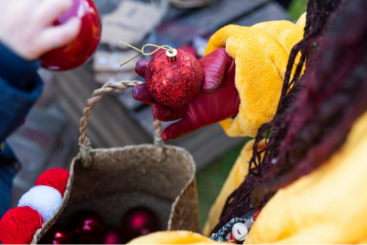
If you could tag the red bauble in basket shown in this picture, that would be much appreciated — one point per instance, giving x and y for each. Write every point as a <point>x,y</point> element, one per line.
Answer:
<point>112,235</point>
<point>57,235</point>
<point>174,77</point>
<point>89,227</point>
<point>139,221</point>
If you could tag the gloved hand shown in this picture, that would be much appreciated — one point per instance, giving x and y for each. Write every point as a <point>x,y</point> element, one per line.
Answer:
<point>217,100</point>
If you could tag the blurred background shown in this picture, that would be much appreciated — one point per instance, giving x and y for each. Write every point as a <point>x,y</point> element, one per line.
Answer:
<point>49,137</point>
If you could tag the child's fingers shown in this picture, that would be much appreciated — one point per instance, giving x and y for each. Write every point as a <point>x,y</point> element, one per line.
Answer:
<point>49,10</point>
<point>58,36</point>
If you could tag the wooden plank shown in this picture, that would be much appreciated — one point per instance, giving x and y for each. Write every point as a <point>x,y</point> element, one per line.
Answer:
<point>272,11</point>
<point>107,6</point>
<point>205,21</point>
<point>110,124</point>
<point>175,13</point>
<point>206,144</point>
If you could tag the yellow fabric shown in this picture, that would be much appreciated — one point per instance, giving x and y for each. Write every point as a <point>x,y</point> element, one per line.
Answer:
<point>302,21</point>
<point>261,55</point>
<point>327,206</point>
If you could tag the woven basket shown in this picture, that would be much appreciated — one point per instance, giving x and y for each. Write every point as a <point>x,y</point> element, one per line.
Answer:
<point>110,181</point>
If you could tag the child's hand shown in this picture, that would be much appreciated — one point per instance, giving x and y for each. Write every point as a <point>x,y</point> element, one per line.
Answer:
<point>26,26</point>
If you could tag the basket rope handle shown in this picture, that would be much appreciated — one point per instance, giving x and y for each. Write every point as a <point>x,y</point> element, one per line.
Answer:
<point>84,142</point>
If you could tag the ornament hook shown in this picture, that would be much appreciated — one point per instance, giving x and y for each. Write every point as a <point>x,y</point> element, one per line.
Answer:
<point>165,47</point>
<point>172,54</point>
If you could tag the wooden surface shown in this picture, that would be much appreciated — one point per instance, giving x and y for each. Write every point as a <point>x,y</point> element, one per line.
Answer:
<point>119,120</point>
<point>206,20</point>
<point>109,125</point>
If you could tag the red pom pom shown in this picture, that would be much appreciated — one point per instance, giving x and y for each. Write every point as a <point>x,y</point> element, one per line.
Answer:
<point>56,178</point>
<point>19,224</point>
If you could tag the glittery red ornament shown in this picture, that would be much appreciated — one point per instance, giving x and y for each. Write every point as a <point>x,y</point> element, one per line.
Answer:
<point>88,227</point>
<point>139,221</point>
<point>57,235</point>
<point>174,83</point>
<point>112,235</point>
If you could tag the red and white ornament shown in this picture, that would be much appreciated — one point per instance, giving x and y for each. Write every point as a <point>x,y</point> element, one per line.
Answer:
<point>35,207</point>
<point>174,77</point>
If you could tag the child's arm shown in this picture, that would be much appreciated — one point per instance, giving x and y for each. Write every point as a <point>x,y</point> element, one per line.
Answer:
<point>26,32</point>
<point>20,87</point>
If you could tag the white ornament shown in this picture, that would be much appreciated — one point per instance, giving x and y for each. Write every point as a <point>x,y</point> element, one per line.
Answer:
<point>240,232</point>
<point>44,199</point>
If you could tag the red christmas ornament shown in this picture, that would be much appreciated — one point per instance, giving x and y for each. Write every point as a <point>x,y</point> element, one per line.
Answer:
<point>112,235</point>
<point>81,49</point>
<point>89,227</point>
<point>57,235</point>
<point>139,221</point>
<point>19,224</point>
<point>174,78</point>
<point>56,178</point>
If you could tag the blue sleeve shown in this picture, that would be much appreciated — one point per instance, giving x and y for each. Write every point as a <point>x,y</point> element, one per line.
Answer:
<point>20,87</point>
<point>9,166</point>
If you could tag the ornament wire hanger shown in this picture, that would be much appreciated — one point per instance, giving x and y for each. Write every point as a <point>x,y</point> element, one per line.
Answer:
<point>164,47</point>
